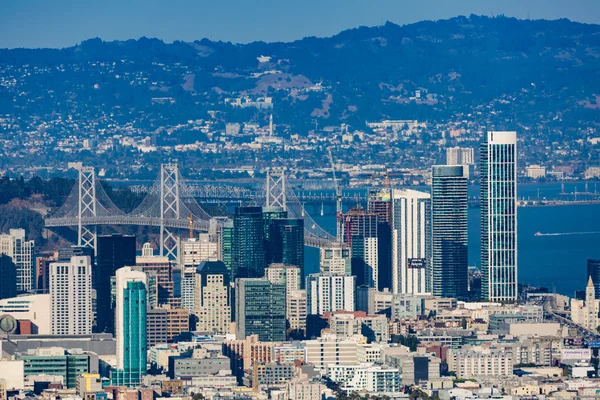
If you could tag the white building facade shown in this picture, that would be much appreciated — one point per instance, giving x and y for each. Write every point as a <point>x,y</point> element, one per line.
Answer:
<point>328,293</point>
<point>411,241</point>
<point>20,250</point>
<point>71,296</point>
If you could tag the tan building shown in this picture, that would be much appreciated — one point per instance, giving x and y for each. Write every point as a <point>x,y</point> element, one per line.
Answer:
<point>331,350</point>
<point>586,312</point>
<point>479,361</point>
<point>243,353</point>
<point>178,322</point>
<point>289,275</point>
<point>296,309</point>
<point>213,298</point>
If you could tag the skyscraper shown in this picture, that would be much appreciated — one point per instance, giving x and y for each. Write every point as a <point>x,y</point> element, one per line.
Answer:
<point>71,296</point>
<point>593,271</point>
<point>499,216</point>
<point>411,241</point>
<point>380,205</point>
<point>249,259</point>
<point>286,242</point>
<point>114,252</point>
<point>359,232</point>
<point>213,302</point>
<point>20,250</point>
<point>130,327</point>
<point>260,309</point>
<point>226,246</point>
<point>449,206</point>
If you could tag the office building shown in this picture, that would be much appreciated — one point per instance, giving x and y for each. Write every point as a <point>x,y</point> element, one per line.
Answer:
<point>195,250</point>
<point>288,275</point>
<point>42,272</point>
<point>296,310</point>
<point>213,302</point>
<point>71,296</point>
<point>8,277</point>
<point>380,205</point>
<point>499,217</point>
<point>20,250</point>
<point>260,309</point>
<point>331,350</point>
<point>470,362</point>
<point>359,233</point>
<point>114,252</point>
<point>156,326</point>
<point>449,206</point>
<point>226,246</point>
<point>286,242</point>
<point>335,259</point>
<point>593,271</point>
<point>329,293</point>
<point>249,259</point>
<point>68,364</point>
<point>163,269</point>
<point>188,288</point>
<point>460,156</point>
<point>130,327</point>
<point>411,241</point>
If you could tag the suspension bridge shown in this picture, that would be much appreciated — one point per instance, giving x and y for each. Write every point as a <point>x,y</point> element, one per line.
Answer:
<point>170,205</point>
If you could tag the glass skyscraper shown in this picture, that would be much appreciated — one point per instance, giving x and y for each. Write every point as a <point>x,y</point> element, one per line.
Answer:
<point>114,252</point>
<point>260,309</point>
<point>499,217</point>
<point>286,242</point>
<point>249,259</point>
<point>449,206</point>
<point>130,327</point>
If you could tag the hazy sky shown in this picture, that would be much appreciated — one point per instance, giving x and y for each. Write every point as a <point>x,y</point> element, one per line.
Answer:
<point>62,23</point>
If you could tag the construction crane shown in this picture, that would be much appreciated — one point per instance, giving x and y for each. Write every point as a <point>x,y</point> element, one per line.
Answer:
<point>338,200</point>
<point>191,219</point>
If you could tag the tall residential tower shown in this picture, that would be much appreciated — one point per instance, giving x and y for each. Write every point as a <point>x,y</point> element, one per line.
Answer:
<point>449,206</point>
<point>499,216</point>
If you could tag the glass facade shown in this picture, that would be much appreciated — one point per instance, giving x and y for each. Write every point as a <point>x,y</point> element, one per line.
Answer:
<point>449,206</point>
<point>260,309</point>
<point>114,252</point>
<point>249,259</point>
<point>499,217</point>
<point>134,335</point>
<point>286,242</point>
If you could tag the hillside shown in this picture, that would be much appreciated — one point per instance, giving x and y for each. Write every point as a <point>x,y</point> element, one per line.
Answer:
<point>538,76</point>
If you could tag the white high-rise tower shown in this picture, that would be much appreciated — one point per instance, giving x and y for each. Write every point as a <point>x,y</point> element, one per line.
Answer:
<point>71,296</point>
<point>499,217</point>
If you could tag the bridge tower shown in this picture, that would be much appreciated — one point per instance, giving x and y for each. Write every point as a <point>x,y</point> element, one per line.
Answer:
<point>275,192</point>
<point>169,208</point>
<point>86,236</point>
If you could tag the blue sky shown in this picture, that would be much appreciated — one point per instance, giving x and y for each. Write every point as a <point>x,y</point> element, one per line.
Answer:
<point>63,23</point>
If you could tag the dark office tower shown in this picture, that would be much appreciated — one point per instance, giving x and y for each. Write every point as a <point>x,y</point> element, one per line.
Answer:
<point>8,277</point>
<point>269,214</point>
<point>380,205</point>
<point>593,271</point>
<point>249,259</point>
<point>286,242</point>
<point>449,206</point>
<point>114,252</point>
<point>260,309</point>
<point>498,157</point>
<point>226,246</point>
<point>359,232</point>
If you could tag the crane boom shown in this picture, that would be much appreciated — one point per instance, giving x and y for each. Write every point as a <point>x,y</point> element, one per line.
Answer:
<point>338,199</point>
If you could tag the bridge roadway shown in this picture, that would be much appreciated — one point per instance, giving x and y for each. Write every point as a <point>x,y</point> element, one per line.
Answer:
<point>199,225</point>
